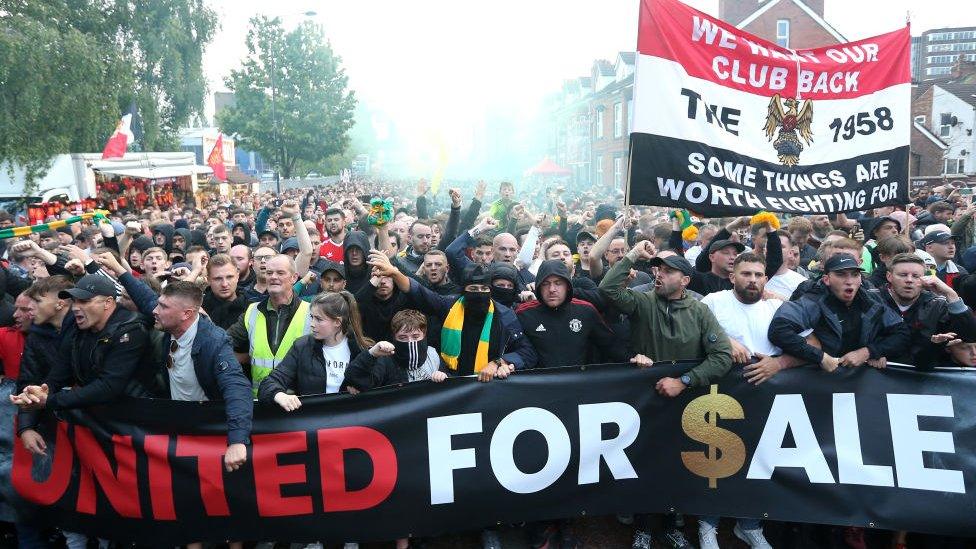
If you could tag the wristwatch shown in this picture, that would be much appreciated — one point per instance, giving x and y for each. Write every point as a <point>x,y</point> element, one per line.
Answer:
<point>686,379</point>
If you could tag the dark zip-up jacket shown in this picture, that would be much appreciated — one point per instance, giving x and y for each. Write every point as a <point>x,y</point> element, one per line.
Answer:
<point>931,314</point>
<point>41,352</point>
<point>565,335</point>
<point>882,330</point>
<point>102,366</point>
<point>303,370</point>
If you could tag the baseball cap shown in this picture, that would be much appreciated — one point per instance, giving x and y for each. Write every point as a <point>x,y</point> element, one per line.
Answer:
<point>585,235</point>
<point>841,262</point>
<point>327,265</point>
<point>926,258</point>
<point>90,286</point>
<point>675,262</point>
<point>289,244</point>
<point>476,274</point>
<point>881,219</point>
<point>719,244</point>
<point>936,237</point>
<point>270,233</point>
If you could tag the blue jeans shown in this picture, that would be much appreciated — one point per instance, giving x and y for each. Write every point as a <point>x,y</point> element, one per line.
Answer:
<point>744,523</point>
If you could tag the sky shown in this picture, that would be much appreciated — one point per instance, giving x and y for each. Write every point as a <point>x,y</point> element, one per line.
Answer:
<point>447,73</point>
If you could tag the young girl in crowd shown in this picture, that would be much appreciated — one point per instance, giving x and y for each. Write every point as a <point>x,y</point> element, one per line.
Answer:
<point>317,362</point>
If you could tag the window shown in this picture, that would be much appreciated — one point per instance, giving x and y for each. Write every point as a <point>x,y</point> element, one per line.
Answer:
<point>599,122</point>
<point>618,172</point>
<point>937,71</point>
<point>599,170</point>
<point>783,32</point>
<point>945,124</point>
<point>953,165</point>
<point>920,119</point>
<point>618,119</point>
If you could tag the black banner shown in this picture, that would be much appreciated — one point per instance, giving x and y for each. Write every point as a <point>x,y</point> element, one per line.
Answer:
<point>676,173</point>
<point>885,449</point>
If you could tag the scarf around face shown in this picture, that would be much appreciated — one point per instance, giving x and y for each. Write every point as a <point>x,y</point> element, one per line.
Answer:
<point>451,336</point>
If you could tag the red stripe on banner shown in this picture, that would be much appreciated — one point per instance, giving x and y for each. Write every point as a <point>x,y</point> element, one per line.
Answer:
<point>711,49</point>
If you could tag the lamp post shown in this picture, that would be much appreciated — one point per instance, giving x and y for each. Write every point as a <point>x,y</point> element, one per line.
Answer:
<point>274,112</point>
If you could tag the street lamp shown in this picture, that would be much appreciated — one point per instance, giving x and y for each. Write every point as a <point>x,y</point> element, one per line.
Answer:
<point>274,112</point>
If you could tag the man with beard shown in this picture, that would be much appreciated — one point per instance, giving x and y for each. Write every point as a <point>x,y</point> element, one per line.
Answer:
<point>105,350</point>
<point>928,306</point>
<point>335,232</point>
<point>668,324</point>
<point>852,328</point>
<point>410,260</point>
<point>479,336</point>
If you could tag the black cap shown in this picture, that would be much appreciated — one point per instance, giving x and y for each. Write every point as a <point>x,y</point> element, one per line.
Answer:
<point>504,271</point>
<point>719,244</point>
<point>289,244</point>
<point>271,233</point>
<point>327,265</point>
<point>675,262</point>
<point>841,262</point>
<point>936,237</point>
<point>90,286</point>
<point>476,274</point>
<point>585,235</point>
<point>879,220</point>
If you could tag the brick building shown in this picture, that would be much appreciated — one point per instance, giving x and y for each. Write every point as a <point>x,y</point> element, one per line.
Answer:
<point>944,124</point>
<point>795,24</point>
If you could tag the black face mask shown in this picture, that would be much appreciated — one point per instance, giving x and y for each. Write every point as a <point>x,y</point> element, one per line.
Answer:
<point>411,354</point>
<point>477,302</point>
<point>505,296</point>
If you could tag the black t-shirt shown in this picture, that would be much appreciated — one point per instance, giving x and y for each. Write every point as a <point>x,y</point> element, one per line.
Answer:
<point>706,283</point>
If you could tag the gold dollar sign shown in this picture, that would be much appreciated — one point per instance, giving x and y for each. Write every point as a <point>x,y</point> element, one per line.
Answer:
<point>726,452</point>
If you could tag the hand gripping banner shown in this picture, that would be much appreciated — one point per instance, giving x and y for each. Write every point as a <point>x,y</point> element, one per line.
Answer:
<point>726,123</point>
<point>888,449</point>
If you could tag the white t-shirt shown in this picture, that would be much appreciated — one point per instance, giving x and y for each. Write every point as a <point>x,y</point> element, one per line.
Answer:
<point>336,361</point>
<point>785,284</point>
<point>747,324</point>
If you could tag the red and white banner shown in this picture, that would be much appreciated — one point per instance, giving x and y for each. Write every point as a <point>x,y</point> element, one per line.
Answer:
<point>727,123</point>
<point>119,141</point>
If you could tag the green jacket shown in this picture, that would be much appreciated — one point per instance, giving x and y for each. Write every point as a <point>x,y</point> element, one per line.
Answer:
<point>681,329</point>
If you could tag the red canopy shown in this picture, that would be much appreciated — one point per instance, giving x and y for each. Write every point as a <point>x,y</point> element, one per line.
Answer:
<point>548,167</point>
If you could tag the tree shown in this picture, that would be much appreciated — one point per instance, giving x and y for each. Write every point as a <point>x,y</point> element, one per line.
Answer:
<point>293,83</point>
<point>59,92</point>
<point>72,67</point>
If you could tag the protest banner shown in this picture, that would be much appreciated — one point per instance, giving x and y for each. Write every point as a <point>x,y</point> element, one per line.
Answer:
<point>726,123</point>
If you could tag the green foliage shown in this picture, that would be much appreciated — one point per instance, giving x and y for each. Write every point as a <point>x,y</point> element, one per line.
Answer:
<point>70,68</point>
<point>313,110</point>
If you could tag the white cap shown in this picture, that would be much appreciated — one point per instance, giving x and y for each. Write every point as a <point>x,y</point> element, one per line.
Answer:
<point>937,227</point>
<point>926,257</point>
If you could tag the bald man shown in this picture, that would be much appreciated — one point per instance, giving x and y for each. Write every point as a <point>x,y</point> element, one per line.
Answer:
<point>504,249</point>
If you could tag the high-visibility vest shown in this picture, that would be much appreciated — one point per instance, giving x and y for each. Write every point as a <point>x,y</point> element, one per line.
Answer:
<point>262,359</point>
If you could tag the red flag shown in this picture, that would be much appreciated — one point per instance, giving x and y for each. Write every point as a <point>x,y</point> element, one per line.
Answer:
<point>121,137</point>
<point>216,159</point>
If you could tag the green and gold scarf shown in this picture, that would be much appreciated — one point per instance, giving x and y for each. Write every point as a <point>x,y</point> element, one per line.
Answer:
<point>451,336</point>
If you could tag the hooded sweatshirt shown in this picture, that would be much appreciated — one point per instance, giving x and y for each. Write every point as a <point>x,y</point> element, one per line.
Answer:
<point>187,235</point>
<point>565,334</point>
<point>167,231</point>
<point>356,278</point>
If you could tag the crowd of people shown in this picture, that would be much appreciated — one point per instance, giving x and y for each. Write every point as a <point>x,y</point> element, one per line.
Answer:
<point>275,297</point>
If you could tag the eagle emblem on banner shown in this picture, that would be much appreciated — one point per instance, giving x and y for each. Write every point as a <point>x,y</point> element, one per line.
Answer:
<point>789,126</point>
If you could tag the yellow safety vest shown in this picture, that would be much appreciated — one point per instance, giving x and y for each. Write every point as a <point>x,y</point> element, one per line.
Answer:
<point>262,359</point>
